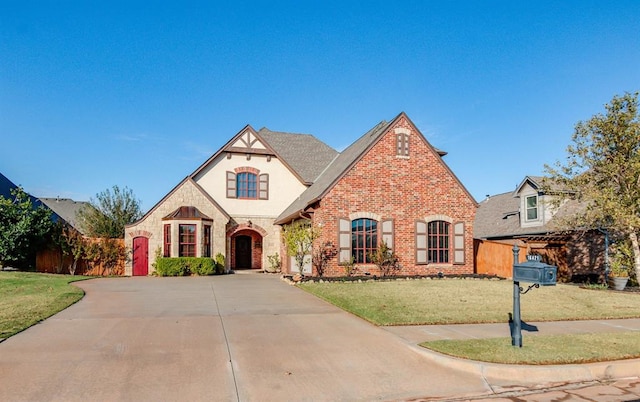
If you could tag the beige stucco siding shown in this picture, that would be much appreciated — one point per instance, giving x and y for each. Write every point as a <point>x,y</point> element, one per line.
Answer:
<point>284,187</point>
<point>151,226</point>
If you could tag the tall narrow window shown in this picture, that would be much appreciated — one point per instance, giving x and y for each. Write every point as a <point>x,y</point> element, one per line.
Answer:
<point>187,241</point>
<point>206,244</point>
<point>364,239</point>
<point>532,207</point>
<point>246,185</point>
<point>402,148</point>
<point>167,241</point>
<point>438,242</point>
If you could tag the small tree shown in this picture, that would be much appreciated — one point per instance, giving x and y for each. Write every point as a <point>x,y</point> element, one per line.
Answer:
<point>385,259</point>
<point>603,171</point>
<point>299,237</point>
<point>70,243</point>
<point>321,255</point>
<point>107,214</point>
<point>111,252</point>
<point>23,228</point>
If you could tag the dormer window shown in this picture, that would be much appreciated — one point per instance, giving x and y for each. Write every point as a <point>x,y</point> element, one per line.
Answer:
<point>531,205</point>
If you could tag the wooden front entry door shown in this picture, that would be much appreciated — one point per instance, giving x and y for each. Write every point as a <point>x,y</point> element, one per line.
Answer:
<point>243,252</point>
<point>140,256</point>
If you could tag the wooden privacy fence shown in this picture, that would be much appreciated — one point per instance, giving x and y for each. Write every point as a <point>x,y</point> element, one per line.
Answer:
<point>494,258</point>
<point>49,261</point>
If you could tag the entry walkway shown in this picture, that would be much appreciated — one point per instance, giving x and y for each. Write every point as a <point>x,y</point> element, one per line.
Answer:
<point>423,333</point>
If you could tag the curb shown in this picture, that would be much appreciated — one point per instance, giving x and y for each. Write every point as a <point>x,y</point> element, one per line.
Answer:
<point>515,375</point>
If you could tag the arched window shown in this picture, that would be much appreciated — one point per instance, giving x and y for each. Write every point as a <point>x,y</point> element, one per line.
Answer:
<point>438,242</point>
<point>364,239</point>
<point>246,185</point>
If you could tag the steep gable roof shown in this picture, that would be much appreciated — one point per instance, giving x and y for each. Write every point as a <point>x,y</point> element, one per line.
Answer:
<point>303,154</point>
<point>499,216</point>
<point>6,186</point>
<point>343,163</point>
<point>66,209</point>
<point>338,168</point>
<point>187,179</point>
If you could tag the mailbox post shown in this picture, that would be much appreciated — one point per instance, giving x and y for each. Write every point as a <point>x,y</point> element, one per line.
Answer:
<point>532,270</point>
<point>516,328</point>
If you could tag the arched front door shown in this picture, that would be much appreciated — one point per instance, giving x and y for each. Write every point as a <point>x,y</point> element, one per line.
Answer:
<point>243,251</point>
<point>140,256</point>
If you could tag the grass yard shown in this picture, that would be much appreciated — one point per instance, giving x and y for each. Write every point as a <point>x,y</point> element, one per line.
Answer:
<point>468,301</point>
<point>545,349</point>
<point>28,298</point>
<point>465,301</point>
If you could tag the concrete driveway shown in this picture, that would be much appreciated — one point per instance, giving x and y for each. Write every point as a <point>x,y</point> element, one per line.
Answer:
<point>243,337</point>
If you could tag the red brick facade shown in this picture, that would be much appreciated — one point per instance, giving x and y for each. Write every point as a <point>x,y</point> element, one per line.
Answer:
<point>403,189</point>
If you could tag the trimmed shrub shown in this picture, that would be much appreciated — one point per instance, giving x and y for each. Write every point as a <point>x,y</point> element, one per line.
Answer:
<point>203,266</point>
<point>182,266</point>
<point>219,263</point>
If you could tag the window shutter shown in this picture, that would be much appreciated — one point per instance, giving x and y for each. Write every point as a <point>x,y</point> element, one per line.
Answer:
<point>344,240</point>
<point>421,242</point>
<point>231,185</point>
<point>263,187</point>
<point>387,233</point>
<point>458,243</point>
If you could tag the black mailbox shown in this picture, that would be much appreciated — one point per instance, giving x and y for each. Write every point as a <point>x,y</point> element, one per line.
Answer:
<point>535,271</point>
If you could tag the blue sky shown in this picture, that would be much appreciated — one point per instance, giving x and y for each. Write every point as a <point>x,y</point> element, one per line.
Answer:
<point>139,94</point>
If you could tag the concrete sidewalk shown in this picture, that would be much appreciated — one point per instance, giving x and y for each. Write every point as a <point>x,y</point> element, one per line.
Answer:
<point>424,333</point>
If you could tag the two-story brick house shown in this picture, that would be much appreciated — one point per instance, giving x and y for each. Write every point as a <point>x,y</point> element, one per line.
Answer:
<point>390,185</point>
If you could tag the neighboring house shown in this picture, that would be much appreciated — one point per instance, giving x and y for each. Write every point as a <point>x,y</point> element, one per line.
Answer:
<point>526,217</point>
<point>64,210</point>
<point>390,185</point>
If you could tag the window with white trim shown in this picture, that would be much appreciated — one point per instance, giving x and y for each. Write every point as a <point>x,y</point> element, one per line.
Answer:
<point>531,205</point>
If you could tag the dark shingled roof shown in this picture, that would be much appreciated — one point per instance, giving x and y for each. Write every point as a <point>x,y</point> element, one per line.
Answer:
<point>304,153</point>
<point>498,216</point>
<point>66,209</point>
<point>334,171</point>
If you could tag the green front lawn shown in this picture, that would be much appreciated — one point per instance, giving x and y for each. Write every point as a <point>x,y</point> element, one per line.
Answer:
<point>545,349</point>
<point>28,298</point>
<point>467,301</point>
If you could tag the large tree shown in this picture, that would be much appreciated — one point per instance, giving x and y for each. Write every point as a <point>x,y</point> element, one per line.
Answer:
<point>23,228</point>
<point>107,214</point>
<point>602,169</point>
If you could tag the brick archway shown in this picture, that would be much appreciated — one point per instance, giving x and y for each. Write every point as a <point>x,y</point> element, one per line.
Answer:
<point>246,248</point>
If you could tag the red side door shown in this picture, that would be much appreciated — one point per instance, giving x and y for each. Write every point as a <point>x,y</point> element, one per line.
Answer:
<point>140,256</point>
